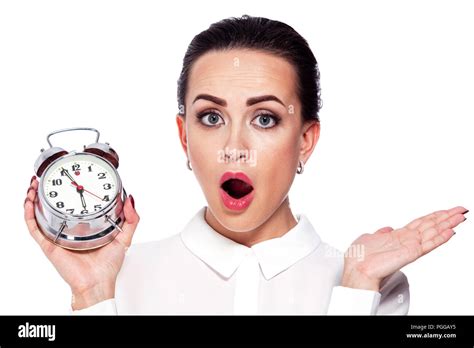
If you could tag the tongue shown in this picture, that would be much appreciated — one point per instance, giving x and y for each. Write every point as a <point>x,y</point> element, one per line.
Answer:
<point>237,188</point>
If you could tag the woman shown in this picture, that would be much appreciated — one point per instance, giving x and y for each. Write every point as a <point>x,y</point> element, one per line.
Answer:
<point>249,99</point>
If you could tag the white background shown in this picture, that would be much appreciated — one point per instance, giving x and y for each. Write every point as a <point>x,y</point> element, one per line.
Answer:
<point>397,121</point>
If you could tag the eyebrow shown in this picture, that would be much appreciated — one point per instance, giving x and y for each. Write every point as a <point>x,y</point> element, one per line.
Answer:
<point>250,101</point>
<point>216,100</point>
<point>263,98</point>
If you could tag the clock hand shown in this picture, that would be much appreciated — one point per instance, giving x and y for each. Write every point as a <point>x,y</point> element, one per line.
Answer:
<point>83,189</point>
<point>80,190</point>
<point>93,194</point>
<point>83,201</point>
<point>69,176</point>
<point>74,183</point>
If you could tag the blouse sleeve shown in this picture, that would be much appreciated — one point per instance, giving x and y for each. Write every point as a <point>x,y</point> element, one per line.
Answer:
<point>106,307</point>
<point>393,298</point>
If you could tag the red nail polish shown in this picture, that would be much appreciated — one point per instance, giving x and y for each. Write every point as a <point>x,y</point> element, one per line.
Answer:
<point>33,178</point>
<point>132,201</point>
<point>467,211</point>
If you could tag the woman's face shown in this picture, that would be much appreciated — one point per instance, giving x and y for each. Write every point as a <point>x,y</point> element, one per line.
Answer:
<point>243,116</point>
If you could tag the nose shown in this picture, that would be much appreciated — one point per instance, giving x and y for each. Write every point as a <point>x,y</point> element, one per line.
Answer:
<point>236,145</point>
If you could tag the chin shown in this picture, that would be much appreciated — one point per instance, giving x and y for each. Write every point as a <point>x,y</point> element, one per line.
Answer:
<point>241,221</point>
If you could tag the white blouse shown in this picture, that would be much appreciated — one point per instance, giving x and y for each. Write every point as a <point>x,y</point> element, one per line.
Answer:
<point>199,271</point>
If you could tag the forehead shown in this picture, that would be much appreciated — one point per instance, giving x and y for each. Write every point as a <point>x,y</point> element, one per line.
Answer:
<point>241,72</point>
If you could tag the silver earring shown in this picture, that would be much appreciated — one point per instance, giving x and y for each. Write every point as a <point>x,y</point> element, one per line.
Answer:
<point>300,168</point>
<point>189,165</point>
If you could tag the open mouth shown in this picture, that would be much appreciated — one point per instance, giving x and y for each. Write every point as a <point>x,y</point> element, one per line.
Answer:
<point>236,188</point>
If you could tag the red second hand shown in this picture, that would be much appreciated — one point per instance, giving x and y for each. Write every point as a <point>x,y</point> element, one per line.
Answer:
<point>93,194</point>
<point>81,188</point>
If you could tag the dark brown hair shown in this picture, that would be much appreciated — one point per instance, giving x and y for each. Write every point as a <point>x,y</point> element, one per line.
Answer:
<point>264,35</point>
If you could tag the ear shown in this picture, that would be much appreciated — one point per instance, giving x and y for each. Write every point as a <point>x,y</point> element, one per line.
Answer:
<point>309,139</point>
<point>181,122</point>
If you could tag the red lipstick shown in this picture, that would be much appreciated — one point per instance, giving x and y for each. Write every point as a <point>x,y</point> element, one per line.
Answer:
<point>236,190</point>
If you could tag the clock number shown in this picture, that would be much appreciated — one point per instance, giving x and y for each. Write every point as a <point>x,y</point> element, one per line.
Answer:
<point>63,172</point>
<point>53,194</point>
<point>70,211</point>
<point>85,211</point>
<point>57,182</point>
<point>107,186</point>
<point>90,168</point>
<point>106,198</point>
<point>76,167</point>
<point>60,205</point>
<point>101,175</point>
<point>97,207</point>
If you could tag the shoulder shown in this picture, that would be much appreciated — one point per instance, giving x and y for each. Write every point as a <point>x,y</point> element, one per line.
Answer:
<point>143,248</point>
<point>151,254</point>
<point>328,257</point>
<point>146,262</point>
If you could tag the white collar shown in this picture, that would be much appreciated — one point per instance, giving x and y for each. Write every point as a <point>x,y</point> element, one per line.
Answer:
<point>224,255</point>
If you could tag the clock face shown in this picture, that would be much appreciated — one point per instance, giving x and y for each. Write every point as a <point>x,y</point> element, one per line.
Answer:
<point>80,184</point>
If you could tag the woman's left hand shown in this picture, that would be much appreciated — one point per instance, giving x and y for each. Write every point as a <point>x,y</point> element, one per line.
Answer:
<point>387,250</point>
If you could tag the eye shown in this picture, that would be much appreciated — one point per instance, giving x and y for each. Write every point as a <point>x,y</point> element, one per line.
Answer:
<point>210,118</point>
<point>266,121</point>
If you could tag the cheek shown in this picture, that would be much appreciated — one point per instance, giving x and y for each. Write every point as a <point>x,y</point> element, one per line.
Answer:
<point>276,158</point>
<point>203,150</point>
<point>201,144</point>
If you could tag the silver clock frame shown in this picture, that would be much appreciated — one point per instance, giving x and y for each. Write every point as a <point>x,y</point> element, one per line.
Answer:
<point>64,229</point>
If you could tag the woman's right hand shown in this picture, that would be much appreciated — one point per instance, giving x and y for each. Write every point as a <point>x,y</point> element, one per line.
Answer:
<point>91,274</point>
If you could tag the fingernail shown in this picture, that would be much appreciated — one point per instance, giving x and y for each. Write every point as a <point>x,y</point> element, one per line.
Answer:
<point>132,201</point>
<point>467,211</point>
<point>454,232</point>
<point>33,178</point>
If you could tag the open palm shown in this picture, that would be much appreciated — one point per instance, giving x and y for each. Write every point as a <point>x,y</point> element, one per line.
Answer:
<point>388,250</point>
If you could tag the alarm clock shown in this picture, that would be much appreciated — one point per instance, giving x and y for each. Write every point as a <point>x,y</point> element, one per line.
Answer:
<point>80,198</point>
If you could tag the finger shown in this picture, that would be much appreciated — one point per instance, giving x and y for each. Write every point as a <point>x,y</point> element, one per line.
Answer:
<point>439,228</point>
<point>33,228</point>
<point>384,230</point>
<point>440,217</point>
<point>435,217</point>
<point>32,190</point>
<point>130,225</point>
<point>437,240</point>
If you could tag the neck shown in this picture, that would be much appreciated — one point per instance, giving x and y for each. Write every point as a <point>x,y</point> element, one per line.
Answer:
<point>277,225</point>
